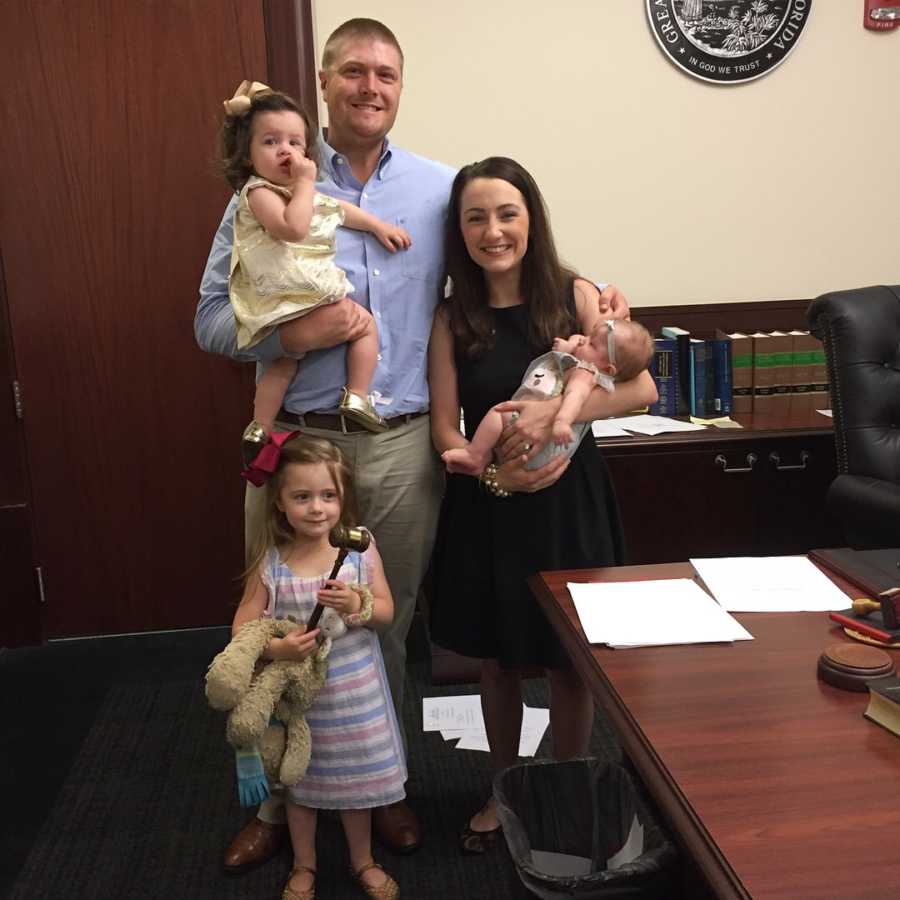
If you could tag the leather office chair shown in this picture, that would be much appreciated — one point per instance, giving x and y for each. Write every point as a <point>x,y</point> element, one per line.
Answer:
<point>861,333</point>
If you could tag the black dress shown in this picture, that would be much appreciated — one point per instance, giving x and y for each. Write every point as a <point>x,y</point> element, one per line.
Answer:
<point>487,546</point>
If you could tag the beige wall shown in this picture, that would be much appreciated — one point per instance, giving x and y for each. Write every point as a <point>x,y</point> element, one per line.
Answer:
<point>677,190</point>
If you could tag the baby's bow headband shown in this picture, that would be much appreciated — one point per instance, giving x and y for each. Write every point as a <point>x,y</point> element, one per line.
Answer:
<point>243,96</point>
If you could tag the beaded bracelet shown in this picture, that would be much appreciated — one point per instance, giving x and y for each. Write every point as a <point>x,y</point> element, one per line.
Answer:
<point>365,610</point>
<point>489,481</point>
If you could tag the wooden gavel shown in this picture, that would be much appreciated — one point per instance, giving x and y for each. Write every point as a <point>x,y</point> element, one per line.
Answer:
<point>862,606</point>
<point>344,539</point>
<point>889,607</point>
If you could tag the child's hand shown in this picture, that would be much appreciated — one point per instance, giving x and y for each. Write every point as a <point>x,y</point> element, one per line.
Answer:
<point>568,345</point>
<point>339,597</point>
<point>302,169</point>
<point>296,645</point>
<point>392,236</point>
<point>562,434</point>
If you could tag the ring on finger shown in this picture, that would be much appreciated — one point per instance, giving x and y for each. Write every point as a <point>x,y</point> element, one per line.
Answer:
<point>526,447</point>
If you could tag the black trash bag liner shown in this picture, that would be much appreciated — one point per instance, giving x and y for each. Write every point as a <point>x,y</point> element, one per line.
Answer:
<point>567,825</point>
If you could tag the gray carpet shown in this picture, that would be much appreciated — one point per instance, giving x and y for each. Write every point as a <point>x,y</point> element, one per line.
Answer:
<point>149,804</point>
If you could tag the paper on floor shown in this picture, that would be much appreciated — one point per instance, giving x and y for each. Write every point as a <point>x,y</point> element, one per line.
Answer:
<point>460,712</point>
<point>473,736</point>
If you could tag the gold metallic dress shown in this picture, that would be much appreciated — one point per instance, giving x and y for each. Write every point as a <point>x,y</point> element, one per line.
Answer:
<point>274,281</point>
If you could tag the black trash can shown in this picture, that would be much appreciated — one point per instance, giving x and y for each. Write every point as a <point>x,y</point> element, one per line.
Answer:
<point>578,829</point>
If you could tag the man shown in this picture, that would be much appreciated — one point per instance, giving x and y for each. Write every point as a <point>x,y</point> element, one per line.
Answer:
<point>399,477</point>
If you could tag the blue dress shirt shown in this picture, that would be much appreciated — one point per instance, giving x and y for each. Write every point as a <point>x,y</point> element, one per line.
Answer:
<point>400,289</point>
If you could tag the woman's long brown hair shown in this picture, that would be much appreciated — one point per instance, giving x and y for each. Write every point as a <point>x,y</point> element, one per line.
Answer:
<point>543,280</point>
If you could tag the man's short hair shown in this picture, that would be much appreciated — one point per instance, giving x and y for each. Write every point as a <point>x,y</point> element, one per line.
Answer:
<point>357,29</point>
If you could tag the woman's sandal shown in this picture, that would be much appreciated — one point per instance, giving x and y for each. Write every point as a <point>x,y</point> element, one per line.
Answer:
<point>477,842</point>
<point>307,894</point>
<point>387,890</point>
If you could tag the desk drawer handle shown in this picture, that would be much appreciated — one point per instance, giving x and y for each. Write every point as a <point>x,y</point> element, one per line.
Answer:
<point>775,459</point>
<point>721,461</point>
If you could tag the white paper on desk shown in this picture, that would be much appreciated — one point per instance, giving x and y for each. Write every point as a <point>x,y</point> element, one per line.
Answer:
<point>652,613</point>
<point>646,424</point>
<point>452,713</point>
<point>601,428</point>
<point>770,584</point>
<point>825,412</point>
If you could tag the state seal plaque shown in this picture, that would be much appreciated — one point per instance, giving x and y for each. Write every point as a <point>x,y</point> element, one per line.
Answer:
<point>727,41</point>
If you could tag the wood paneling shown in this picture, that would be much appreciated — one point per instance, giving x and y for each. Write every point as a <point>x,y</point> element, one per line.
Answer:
<point>20,623</point>
<point>705,318</point>
<point>289,41</point>
<point>110,202</point>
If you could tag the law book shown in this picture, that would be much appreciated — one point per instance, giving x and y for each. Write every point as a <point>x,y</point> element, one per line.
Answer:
<point>884,703</point>
<point>685,374</point>
<point>820,395</point>
<point>664,369</point>
<point>698,378</point>
<point>763,372</point>
<point>805,348</point>
<point>741,370</point>
<point>720,350</point>
<point>870,626</point>
<point>782,350</point>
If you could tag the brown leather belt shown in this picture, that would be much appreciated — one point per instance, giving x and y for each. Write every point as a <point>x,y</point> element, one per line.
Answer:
<point>337,422</point>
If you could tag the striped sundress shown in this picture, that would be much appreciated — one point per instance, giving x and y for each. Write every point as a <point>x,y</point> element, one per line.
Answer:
<point>357,757</point>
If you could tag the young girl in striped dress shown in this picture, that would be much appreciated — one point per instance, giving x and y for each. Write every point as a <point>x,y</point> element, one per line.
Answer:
<point>357,756</point>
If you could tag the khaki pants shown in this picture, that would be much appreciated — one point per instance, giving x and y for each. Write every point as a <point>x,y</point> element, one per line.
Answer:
<point>399,481</point>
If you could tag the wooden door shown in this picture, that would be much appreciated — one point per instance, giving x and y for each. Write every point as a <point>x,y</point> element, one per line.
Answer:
<point>110,200</point>
<point>20,619</point>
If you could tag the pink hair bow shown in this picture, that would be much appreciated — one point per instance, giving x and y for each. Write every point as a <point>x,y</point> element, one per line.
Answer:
<point>266,462</point>
<point>243,97</point>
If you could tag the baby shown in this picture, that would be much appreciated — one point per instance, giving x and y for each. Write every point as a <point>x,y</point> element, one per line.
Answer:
<point>615,349</point>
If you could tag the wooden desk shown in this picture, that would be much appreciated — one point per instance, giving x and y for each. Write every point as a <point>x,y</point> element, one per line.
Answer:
<point>757,490</point>
<point>771,780</point>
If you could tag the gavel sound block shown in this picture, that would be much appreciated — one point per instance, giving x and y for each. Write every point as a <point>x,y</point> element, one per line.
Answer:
<point>852,666</point>
<point>344,539</point>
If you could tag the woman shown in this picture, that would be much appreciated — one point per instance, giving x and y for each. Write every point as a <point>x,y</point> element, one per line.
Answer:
<point>511,297</point>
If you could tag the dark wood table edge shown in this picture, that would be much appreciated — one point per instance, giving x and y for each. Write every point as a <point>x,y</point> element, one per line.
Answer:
<point>754,428</point>
<point>686,828</point>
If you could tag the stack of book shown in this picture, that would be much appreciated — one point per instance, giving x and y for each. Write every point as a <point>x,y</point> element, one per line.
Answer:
<point>693,375</point>
<point>776,373</point>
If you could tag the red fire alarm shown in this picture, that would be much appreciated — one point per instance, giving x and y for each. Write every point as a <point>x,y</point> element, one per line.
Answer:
<point>881,15</point>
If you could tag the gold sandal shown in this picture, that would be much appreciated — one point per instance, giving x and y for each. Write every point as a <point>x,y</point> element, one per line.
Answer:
<point>307,894</point>
<point>360,409</point>
<point>387,890</point>
<point>252,441</point>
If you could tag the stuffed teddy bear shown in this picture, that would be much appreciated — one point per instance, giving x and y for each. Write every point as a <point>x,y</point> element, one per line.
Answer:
<point>251,690</point>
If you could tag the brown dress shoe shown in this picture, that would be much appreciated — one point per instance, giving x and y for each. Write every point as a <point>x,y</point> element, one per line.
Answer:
<point>257,842</point>
<point>397,827</point>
